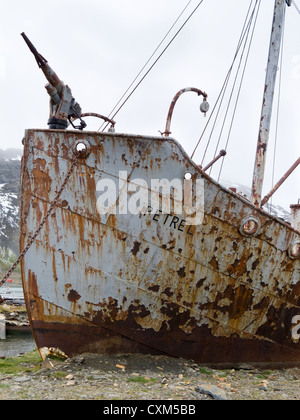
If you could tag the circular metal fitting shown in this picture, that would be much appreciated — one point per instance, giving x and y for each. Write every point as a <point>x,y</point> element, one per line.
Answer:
<point>295,251</point>
<point>250,226</point>
<point>82,148</point>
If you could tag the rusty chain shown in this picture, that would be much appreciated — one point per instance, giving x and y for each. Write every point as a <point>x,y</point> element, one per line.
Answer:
<point>52,206</point>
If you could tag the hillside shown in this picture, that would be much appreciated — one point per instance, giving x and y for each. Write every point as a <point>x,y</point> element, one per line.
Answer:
<point>10,165</point>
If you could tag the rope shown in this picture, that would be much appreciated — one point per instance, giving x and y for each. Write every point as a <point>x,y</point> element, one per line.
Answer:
<point>33,238</point>
<point>156,61</point>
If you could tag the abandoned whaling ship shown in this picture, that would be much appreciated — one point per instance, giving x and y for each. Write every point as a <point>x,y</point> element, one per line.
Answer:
<point>113,264</point>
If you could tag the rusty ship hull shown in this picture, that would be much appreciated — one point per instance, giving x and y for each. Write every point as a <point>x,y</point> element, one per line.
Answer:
<point>148,283</point>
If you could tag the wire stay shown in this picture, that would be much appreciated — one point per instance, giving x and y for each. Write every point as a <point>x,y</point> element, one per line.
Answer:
<point>156,61</point>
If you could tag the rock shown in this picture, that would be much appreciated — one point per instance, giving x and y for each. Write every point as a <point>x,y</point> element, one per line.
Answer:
<point>295,373</point>
<point>246,366</point>
<point>212,391</point>
<point>263,386</point>
<point>71,383</point>
<point>99,378</point>
<point>22,379</point>
<point>79,360</point>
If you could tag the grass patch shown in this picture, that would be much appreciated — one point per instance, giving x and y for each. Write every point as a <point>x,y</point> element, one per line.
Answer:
<point>59,375</point>
<point>8,308</point>
<point>268,372</point>
<point>142,380</point>
<point>206,372</point>
<point>29,362</point>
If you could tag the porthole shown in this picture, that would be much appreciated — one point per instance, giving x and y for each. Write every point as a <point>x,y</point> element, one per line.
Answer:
<point>82,149</point>
<point>250,226</point>
<point>295,251</point>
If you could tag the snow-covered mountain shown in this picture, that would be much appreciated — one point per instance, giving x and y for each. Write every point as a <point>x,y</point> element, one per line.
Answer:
<point>10,164</point>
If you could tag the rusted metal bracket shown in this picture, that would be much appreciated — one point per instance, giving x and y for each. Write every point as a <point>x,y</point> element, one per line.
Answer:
<point>204,107</point>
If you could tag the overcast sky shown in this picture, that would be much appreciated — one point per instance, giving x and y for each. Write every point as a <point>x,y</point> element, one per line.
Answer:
<point>97,47</point>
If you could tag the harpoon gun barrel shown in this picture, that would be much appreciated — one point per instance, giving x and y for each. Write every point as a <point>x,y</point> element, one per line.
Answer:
<point>63,106</point>
<point>50,75</point>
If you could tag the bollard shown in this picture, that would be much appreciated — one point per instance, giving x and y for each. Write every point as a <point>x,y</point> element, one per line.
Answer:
<point>2,327</point>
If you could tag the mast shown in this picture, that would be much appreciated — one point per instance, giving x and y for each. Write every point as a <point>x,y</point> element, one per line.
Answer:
<point>265,122</point>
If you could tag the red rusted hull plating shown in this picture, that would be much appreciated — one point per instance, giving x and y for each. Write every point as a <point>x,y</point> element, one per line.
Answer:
<point>222,293</point>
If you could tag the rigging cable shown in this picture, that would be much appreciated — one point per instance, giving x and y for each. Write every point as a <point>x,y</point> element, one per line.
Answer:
<point>242,79</point>
<point>148,61</point>
<point>224,87</point>
<point>233,87</point>
<point>156,61</point>
<point>295,4</point>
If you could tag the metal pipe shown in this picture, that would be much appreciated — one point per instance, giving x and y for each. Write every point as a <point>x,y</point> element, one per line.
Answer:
<point>220,155</point>
<point>177,96</point>
<point>280,182</point>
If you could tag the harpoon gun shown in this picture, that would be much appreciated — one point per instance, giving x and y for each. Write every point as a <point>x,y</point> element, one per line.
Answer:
<point>63,107</point>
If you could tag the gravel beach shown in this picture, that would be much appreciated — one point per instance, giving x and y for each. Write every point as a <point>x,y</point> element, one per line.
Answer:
<point>142,377</point>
